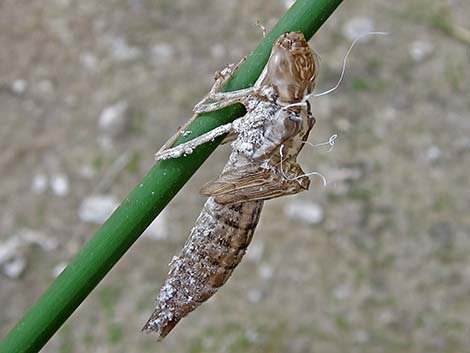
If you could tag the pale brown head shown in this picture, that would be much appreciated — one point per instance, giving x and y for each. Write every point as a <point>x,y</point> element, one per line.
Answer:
<point>292,66</point>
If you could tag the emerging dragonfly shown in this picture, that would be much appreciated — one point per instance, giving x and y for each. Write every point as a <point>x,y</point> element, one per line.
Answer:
<point>262,166</point>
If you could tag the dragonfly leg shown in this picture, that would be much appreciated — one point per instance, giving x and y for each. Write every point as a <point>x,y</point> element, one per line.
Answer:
<point>189,146</point>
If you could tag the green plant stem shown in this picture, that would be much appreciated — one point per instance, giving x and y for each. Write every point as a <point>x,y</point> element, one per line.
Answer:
<point>148,199</point>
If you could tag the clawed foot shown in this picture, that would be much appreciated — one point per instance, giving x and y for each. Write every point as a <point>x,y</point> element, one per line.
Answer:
<point>227,72</point>
<point>216,99</point>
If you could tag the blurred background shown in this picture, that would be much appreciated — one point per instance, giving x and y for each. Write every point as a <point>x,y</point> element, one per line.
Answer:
<point>376,261</point>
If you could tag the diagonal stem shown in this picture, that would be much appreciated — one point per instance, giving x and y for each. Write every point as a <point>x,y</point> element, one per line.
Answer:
<point>148,199</point>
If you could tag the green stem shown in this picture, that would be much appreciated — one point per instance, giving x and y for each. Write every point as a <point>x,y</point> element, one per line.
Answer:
<point>148,199</point>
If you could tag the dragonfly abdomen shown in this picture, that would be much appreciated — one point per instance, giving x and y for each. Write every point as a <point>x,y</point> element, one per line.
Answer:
<point>214,248</point>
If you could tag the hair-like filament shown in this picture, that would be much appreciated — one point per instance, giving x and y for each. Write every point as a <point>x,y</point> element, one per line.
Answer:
<point>343,70</point>
<point>299,176</point>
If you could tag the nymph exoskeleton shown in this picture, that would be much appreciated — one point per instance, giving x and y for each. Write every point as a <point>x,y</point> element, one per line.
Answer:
<point>262,166</point>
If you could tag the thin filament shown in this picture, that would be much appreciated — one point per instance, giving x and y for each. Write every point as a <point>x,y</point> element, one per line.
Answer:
<point>343,70</point>
<point>331,141</point>
<point>345,61</point>
<point>299,176</point>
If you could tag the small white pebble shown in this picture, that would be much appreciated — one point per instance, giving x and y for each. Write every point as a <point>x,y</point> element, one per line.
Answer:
<point>15,267</point>
<point>39,183</point>
<point>433,153</point>
<point>97,208</point>
<point>265,272</point>
<point>162,53</point>
<point>19,86</point>
<point>420,50</point>
<point>304,211</point>
<point>59,184</point>
<point>31,236</point>
<point>113,120</point>
<point>8,249</point>
<point>121,50</point>
<point>89,61</point>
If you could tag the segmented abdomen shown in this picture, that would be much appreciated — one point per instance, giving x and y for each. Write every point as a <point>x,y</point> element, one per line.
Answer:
<point>214,248</point>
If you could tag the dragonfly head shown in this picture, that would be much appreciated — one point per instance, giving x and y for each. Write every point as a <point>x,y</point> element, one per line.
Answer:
<point>292,67</point>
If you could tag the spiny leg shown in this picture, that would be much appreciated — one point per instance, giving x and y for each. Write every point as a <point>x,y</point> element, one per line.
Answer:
<point>188,147</point>
<point>221,78</point>
<point>215,99</point>
<point>222,99</point>
<point>219,101</point>
<point>171,141</point>
<point>262,28</point>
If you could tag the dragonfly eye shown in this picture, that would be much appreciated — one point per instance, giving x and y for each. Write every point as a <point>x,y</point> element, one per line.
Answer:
<point>292,67</point>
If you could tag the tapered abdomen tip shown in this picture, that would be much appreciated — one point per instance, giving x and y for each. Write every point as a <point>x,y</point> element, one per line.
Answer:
<point>160,326</point>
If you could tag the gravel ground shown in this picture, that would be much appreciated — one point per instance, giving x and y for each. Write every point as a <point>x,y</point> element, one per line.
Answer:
<point>376,261</point>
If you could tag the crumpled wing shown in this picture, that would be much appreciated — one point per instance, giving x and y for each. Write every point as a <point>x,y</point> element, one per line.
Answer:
<point>250,183</point>
<point>236,179</point>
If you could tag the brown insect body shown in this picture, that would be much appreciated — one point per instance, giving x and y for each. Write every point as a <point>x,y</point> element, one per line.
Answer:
<point>206,261</point>
<point>262,166</point>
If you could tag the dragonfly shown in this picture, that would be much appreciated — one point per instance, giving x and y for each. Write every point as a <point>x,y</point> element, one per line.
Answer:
<point>263,165</point>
